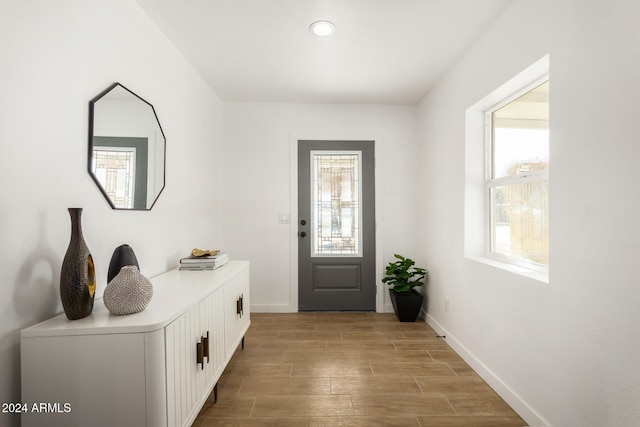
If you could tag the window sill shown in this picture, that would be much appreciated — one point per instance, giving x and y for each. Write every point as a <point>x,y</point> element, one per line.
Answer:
<point>538,275</point>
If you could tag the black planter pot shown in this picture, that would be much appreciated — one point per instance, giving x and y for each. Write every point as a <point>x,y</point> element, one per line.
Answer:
<point>406,306</point>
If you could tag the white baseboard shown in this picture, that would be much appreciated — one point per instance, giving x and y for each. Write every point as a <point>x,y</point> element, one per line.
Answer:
<point>284,308</point>
<point>520,406</point>
<point>273,308</point>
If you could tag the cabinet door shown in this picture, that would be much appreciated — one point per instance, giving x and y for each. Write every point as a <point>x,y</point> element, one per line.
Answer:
<point>184,379</point>
<point>237,310</point>
<point>190,376</point>
<point>212,313</point>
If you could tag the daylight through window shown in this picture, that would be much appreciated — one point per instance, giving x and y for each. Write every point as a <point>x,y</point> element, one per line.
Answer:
<point>517,184</point>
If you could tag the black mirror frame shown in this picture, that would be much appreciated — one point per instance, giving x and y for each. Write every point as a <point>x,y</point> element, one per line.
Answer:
<point>90,150</point>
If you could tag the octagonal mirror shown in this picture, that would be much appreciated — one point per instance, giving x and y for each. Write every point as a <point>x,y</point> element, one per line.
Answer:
<point>126,149</point>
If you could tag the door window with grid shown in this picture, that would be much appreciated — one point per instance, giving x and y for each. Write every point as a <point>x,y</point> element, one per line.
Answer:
<point>114,167</point>
<point>336,192</point>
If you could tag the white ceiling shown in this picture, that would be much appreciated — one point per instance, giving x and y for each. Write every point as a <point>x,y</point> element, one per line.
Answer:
<point>383,51</point>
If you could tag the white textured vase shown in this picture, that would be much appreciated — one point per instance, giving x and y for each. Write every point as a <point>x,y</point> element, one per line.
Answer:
<point>127,293</point>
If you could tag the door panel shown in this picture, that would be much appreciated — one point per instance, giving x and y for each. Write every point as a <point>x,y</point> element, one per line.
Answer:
<point>336,228</point>
<point>336,277</point>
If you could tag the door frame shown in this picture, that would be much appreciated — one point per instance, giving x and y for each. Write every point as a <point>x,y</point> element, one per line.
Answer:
<point>294,137</point>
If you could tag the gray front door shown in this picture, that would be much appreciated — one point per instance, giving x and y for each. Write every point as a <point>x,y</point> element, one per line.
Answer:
<point>336,225</point>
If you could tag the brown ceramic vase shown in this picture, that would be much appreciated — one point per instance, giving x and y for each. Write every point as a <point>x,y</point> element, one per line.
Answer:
<point>77,276</point>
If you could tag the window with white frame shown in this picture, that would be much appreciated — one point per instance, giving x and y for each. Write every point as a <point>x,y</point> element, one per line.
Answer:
<point>517,177</point>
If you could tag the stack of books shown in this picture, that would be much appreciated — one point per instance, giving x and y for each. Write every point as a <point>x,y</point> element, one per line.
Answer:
<point>209,262</point>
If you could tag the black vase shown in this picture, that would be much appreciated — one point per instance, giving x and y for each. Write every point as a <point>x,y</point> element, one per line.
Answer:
<point>406,306</point>
<point>123,255</point>
<point>77,276</point>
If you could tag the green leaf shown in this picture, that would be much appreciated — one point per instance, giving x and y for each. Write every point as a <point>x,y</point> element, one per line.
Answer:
<point>402,275</point>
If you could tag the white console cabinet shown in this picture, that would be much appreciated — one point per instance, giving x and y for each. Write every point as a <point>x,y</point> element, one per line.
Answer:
<point>153,368</point>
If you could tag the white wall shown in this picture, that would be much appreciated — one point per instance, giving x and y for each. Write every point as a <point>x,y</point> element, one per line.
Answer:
<point>56,56</point>
<point>259,142</point>
<point>563,353</point>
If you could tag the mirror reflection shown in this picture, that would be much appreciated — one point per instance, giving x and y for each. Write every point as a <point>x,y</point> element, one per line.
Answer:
<point>126,149</point>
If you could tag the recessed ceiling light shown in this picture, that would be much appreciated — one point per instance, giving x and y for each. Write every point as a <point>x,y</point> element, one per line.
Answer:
<point>322,28</point>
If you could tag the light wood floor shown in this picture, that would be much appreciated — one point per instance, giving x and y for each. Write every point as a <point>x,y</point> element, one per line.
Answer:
<point>350,369</point>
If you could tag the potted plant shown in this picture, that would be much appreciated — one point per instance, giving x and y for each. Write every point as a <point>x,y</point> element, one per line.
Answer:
<point>403,276</point>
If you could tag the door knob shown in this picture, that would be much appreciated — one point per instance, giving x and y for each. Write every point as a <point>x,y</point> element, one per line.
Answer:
<point>303,234</point>
<point>303,222</point>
